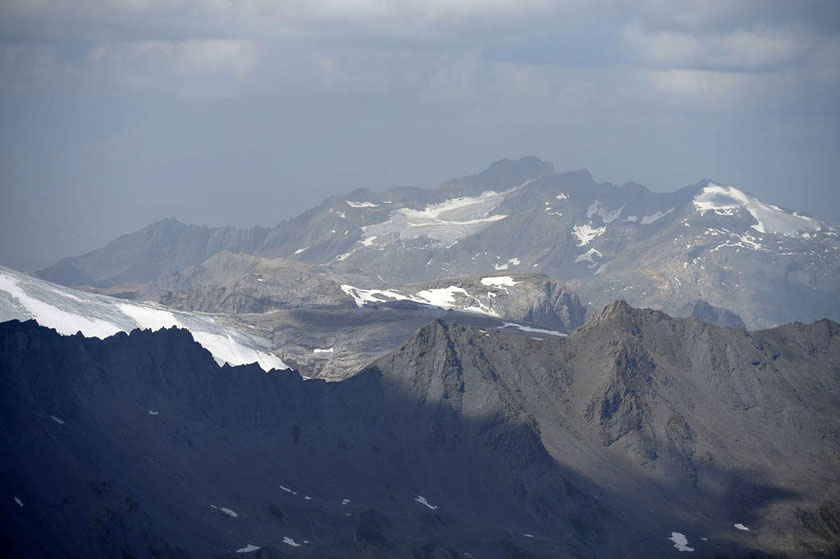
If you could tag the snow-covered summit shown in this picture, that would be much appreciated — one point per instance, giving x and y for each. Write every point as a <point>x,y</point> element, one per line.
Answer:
<point>769,219</point>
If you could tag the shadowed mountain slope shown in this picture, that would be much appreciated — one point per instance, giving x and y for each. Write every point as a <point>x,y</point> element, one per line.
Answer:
<point>463,441</point>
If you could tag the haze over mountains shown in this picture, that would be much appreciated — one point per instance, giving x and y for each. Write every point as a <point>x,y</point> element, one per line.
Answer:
<point>707,241</point>
<point>492,394</point>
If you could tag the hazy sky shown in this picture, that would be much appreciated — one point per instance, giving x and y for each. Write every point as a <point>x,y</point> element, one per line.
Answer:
<point>116,114</point>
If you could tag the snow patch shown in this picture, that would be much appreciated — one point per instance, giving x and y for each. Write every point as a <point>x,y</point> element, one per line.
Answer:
<point>300,250</point>
<point>443,297</point>
<point>589,256</point>
<point>361,204</point>
<point>680,541</point>
<point>247,549</point>
<point>57,420</point>
<point>585,233</point>
<point>226,511</point>
<point>648,219</point>
<point>152,412</point>
<point>422,500</point>
<point>446,222</point>
<point>499,281</point>
<point>512,262</point>
<point>740,526</point>
<point>345,501</point>
<point>727,200</point>
<point>289,541</point>
<point>607,216</point>
<point>318,350</point>
<point>18,502</point>
<point>562,196</point>
<point>530,329</point>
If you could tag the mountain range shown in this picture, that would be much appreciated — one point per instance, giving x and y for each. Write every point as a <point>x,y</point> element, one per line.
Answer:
<point>638,435</point>
<point>708,241</point>
<point>457,372</point>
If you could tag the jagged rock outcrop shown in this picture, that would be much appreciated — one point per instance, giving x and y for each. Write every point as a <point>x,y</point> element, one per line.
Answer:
<point>461,441</point>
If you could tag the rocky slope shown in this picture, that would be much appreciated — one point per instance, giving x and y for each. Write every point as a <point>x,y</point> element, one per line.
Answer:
<point>663,250</point>
<point>639,435</point>
<point>272,309</point>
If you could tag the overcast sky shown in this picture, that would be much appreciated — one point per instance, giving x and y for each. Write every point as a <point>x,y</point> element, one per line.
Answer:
<point>116,114</point>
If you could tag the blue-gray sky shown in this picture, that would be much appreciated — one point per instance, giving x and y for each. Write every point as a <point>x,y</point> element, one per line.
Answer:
<point>116,114</point>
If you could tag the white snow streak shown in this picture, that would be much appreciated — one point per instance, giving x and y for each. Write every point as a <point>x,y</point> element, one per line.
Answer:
<point>227,511</point>
<point>422,500</point>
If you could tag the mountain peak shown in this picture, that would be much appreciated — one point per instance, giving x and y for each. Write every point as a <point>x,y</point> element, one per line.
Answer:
<point>499,175</point>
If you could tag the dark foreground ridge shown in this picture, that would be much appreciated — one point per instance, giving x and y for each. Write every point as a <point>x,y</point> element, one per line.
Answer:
<point>462,443</point>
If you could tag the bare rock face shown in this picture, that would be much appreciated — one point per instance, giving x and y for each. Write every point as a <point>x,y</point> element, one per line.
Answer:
<point>240,284</point>
<point>702,310</point>
<point>463,440</point>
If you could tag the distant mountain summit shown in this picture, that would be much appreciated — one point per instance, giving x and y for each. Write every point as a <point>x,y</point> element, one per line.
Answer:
<point>714,315</point>
<point>662,250</point>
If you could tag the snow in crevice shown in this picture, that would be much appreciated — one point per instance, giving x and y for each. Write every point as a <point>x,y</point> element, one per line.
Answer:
<point>531,329</point>
<point>361,204</point>
<point>648,219</point>
<point>736,240</point>
<point>226,511</point>
<point>585,233</point>
<point>18,502</point>
<point>680,541</point>
<point>423,501</point>
<point>100,316</point>
<point>727,201</point>
<point>57,420</point>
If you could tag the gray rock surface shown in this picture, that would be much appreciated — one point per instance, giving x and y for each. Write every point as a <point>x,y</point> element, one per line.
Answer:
<point>702,310</point>
<point>598,445</point>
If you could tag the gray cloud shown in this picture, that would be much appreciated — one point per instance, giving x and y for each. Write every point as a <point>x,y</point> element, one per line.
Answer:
<point>113,114</point>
